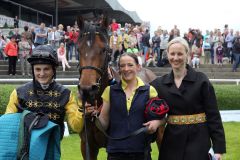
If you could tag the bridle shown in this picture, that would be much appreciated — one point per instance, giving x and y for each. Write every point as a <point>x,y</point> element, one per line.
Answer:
<point>102,71</point>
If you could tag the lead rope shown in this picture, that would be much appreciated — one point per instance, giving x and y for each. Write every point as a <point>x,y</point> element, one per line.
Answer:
<point>85,128</point>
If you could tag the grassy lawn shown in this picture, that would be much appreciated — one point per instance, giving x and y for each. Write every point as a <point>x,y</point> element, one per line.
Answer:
<point>71,145</point>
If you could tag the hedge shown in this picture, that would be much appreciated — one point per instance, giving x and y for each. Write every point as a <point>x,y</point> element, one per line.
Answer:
<point>228,96</point>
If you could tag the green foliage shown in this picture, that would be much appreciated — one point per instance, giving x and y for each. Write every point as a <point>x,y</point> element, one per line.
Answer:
<point>70,146</point>
<point>228,96</point>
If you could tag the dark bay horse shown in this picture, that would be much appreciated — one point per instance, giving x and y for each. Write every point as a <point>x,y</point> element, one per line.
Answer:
<point>93,67</point>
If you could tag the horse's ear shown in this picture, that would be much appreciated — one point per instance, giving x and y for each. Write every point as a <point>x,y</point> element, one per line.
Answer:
<point>80,22</point>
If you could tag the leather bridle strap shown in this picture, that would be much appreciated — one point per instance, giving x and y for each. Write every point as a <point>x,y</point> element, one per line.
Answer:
<point>100,71</point>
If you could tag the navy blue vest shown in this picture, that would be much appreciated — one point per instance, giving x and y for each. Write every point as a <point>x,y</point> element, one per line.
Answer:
<point>51,101</point>
<point>122,122</point>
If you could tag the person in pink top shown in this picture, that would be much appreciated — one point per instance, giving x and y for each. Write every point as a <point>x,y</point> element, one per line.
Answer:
<point>62,56</point>
<point>11,50</point>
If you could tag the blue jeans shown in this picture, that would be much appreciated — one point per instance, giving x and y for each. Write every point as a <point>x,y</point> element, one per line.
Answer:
<point>76,51</point>
<point>237,61</point>
<point>70,52</point>
<point>157,50</point>
<point>212,55</point>
<point>145,49</point>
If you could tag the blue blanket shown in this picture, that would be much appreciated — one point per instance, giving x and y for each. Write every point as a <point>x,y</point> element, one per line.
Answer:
<point>44,143</point>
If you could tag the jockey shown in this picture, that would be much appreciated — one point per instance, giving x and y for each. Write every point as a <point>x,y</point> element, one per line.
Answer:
<point>43,94</point>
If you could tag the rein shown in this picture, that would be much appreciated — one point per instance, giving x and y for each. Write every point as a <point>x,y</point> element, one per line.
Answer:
<point>103,74</point>
<point>134,133</point>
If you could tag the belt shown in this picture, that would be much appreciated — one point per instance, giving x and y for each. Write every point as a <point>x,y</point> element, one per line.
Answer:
<point>186,119</point>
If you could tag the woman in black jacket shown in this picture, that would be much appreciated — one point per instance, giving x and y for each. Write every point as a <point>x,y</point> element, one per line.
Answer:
<point>194,124</point>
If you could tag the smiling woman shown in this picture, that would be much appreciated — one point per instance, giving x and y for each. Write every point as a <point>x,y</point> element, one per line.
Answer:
<point>192,103</point>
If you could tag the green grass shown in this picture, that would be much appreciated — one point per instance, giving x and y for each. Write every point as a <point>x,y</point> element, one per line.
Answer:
<point>227,96</point>
<point>71,145</point>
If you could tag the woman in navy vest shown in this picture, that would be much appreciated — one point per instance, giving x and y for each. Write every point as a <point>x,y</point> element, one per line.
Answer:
<point>123,112</point>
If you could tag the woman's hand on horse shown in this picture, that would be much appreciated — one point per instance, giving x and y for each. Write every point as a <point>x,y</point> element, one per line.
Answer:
<point>89,109</point>
<point>152,126</point>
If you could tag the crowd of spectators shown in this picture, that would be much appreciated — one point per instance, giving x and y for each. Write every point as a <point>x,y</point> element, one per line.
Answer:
<point>214,47</point>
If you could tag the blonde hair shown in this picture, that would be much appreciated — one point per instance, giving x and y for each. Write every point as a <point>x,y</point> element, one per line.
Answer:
<point>60,26</point>
<point>181,41</point>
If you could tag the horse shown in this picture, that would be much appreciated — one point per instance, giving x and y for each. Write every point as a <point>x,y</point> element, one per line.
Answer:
<point>94,60</point>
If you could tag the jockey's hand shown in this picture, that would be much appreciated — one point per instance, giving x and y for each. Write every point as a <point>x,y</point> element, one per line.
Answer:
<point>218,156</point>
<point>152,126</point>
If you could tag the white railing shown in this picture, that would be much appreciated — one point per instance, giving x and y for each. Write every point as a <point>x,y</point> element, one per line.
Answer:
<point>237,81</point>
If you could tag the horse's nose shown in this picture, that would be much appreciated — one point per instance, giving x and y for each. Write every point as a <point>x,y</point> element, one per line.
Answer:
<point>91,88</point>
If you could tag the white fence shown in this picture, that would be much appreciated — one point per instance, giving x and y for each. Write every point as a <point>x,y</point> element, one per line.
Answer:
<point>10,21</point>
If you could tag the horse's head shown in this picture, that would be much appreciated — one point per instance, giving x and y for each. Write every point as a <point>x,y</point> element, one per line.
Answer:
<point>93,59</point>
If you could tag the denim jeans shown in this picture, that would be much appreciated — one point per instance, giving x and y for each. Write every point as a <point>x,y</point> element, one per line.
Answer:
<point>76,51</point>
<point>70,52</point>
<point>145,49</point>
<point>157,50</point>
<point>212,55</point>
<point>237,61</point>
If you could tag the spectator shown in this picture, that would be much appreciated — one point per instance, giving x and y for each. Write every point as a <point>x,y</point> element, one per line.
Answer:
<point>41,35</point>
<point>125,39</point>
<point>229,39</point>
<point>132,38</point>
<point>163,43</point>
<point>219,53</point>
<point>176,31</point>
<point>156,40</point>
<point>2,45</point>
<point>207,51</point>
<point>114,25</point>
<point>236,54</point>
<point>145,43</point>
<point>24,54</point>
<point>54,38</point>
<point>195,56</point>
<point>17,35</point>
<point>61,32</point>
<point>16,22</point>
<point>27,35</point>
<point>115,45</point>
<point>75,42</point>
<point>69,42</point>
<point>61,51</point>
<point>32,31</point>
<point>11,50</point>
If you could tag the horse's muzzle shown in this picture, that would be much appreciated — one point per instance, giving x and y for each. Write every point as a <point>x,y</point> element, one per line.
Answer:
<point>88,93</point>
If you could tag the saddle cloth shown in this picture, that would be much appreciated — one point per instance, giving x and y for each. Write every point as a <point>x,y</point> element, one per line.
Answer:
<point>44,142</point>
